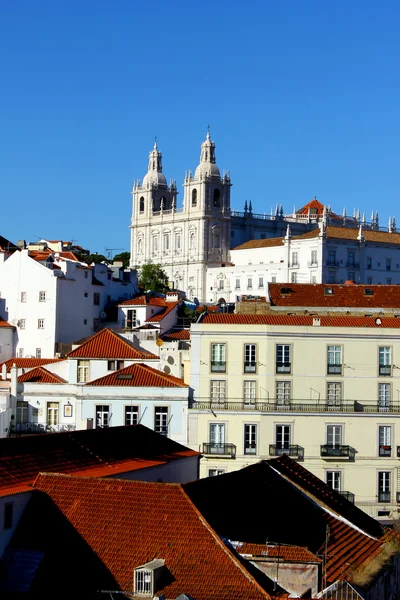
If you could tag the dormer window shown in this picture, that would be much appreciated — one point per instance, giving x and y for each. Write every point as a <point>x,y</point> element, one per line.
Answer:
<point>148,578</point>
<point>368,292</point>
<point>328,291</point>
<point>143,582</point>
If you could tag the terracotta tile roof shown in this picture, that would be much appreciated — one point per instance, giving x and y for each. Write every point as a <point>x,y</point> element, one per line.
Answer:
<point>40,375</point>
<point>314,204</point>
<point>208,307</point>
<point>96,452</point>
<point>291,515</point>
<point>14,489</point>
<point>29,363</point>
<point>370,235</point>
<point>108,344</point>
<point>121,525</point>
<point>276,241</point>
<point>301,320</point>
<point>138,375</point>
<point>334,295</point>
<point>143,301</point>
<point>69,256</point>
<point>170,306</point>
<point>287,553</point>
<point>4,323</point>
<point>176,334</point>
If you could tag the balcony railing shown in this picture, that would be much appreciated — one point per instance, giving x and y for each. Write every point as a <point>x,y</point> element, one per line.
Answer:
<point>385,370</point>
<point>337,451</point>
<point>250,448</point>
<point>334,369</point>
<point>250,367</point>
<point>218,366</point>
<point>298,405</point>
<point>332,263</point>
<point>385,450</point>
<point>352,265</point>
<point>312,263</point>
<point>291,450</point>
<point>283,367</point>
<point>349,496</point>
<point>220,449</point>
<point>384,497</point>
<point>26,428</point>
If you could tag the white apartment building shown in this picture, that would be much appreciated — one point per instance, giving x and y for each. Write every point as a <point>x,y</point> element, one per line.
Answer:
<point>323,389</point>
<point>53,301</point>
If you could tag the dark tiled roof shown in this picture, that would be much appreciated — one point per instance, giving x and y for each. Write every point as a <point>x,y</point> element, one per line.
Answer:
<point>108,344</point>
<point>138,375</point>
<point>334,295</point>
<point>113,526</point>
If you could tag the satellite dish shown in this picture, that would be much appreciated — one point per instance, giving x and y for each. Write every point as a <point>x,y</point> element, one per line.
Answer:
<point>103,315</point>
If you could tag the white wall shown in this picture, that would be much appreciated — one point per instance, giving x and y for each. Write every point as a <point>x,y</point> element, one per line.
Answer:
<point>19,502</point>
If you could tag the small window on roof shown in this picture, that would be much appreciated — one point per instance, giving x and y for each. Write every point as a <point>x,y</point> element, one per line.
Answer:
<point>368,292</point>
<point>328,291</point>
<point>285,290</point>
<point>124,375</point>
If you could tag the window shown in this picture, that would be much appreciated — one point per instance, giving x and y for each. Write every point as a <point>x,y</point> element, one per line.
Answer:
<point>143,582</point>
<point>86,295</point>
<point>42,296</point>
<point>384,486</point>
<point>314,257</point>
<point>22,324</point>
<point>218,358</point>
<point>351,259</point>
<point>283,392</point>
<point>86,274</point>
<point>217,197</point>
<point>282,439</point>
<point>249,392</point>
<point>388,264</point>
<point>192,240</point>
<point>369,280</point>
<point>293,278</point>
<point>273,279</point>
<point>52,414</point>
<point>38,353</point>
<point>221,284</point>
<point>115,365</point>
<point>131,415</point>
<point>141,204</point>
<point>131,319</point>
<point>216,238</point>
<point>295,259</point>
<point>261,282</point>
<point>283,364</point>
<point>161,420</point>
<point>237,284</point>
<point>334,435</point>
<point>96,298</point>
<point>166,242</point>
<point>102,415</point>
<point>384,397</point>
<point>333,394</point>
<point>249,283</point>
<point>334,360</point>
<point>177,241</point>
<point>22,412</point>
<point>85,321</point>
<point>333,479</point>
<point>217,437</point>
<point>250,364</point>
<point>8,515</point>
<point>154,244</point>
<point>83,371</point>
<point>215,472</point>
<point>385,361</point>
<point>217,391</point>
<point>40,323</point>
<point>250,439</point>
<point>369,263</point>
<point>385,440</point>
<point>23,296</point>
<point>194,198</point>
<point>331,258</point>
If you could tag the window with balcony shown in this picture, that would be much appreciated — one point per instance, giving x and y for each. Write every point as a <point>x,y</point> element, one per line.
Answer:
<point>217,391</point>
<point>131,415</point>
<point>218,358</point>
<point>283,358</point>
<point>250,439</point>
<point>384,486</point>
<point>83,371</point>
<point>283,393</point>
<point>334,360</point>
<point>161,420</point>
<point>334,435</point>
<point>282,439</point>
<point>331,258</point>
<point>385,361</point>
<point>102,416</point>
<point>333,394</point>
<point>384,396</point>
<point>217,438</point>
<point>334,480</point>
<point>249,392</point>
<point>351,260</point>
<point>385,440</point>
<point>250,364</point>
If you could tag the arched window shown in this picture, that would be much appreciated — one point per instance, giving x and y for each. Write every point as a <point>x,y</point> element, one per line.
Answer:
<point>194,198</point>
<point>141,204</point>
<point>217,197</point>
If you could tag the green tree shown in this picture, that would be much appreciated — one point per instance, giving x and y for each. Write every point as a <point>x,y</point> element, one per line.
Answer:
<point>94,258</point>
<point>124,257</point>
<point>153,277</point>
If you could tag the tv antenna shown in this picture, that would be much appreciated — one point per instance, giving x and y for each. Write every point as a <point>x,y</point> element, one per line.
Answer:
<point>111,252</point>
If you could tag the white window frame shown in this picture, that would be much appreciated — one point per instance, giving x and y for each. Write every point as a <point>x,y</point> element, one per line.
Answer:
<point>161,420</point>
<point>384,440</point>
<point>144,582</point>
<point>103,415</point>
<point>249,392</point>
<point>250,358</point>
<point>385,361</point>
<point>250,438</point>
<point>82,371</point>
<point>131,415</point>
<point>218,357</point>
<point>334,394</point>
<point>384,486</point>
<point>217,432</point>
<point>283,355</point>
<point>215,472</point>
<point>384,396</point>
<point>53,413</point>
<point>334,435</point>
<point>40,324</point>
<point>334,360</point>
<point>217,391</point>
<point>283,393</point>
<point>333,479</point>
<point>283,435</point>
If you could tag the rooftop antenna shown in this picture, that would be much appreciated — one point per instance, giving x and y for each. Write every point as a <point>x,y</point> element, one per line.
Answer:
<point>111,252</point>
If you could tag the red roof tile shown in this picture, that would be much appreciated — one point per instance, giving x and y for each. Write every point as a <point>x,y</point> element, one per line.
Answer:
<point>108,344</point>
<point>40,375</point>
<point>315,206</point>
<point>276,241</point>
<point>177,334</point>
<point>287,553</point>
<point>301,320</point>
<point>29,363</point>
<point>69,256</point>
<point>370,235</point>
<point>138,375</point>
<point>143,301</point>
<point>164,312</point>
<point>334,295</point>
<point>125,524</point>
<point>4,323</point>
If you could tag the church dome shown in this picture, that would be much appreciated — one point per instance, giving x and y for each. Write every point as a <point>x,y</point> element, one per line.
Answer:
<point>154,177</point>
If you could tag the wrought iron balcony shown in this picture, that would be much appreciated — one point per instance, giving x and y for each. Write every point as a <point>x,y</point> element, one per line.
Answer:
<point>385,450</point>
<point>334,369</point>
<point>297,405</point>
<point>385,370</point>
<point>384,497</point>
<point>250,448</point>
<point>312,263</point>
<point>337,451</point>
<point>284,367</point>
<point>222,450</point>
<point>352,265</point>
<point>349,496</point>
<point>250,367</point>
<point>332,263</point>
<point>218,366</point>
<point>290,450</point>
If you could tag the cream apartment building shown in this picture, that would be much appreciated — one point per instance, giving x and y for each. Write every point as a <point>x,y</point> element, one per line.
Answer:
<point>325,390</point>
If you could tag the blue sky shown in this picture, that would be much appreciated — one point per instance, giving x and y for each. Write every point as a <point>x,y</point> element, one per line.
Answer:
<point>302,97</point>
